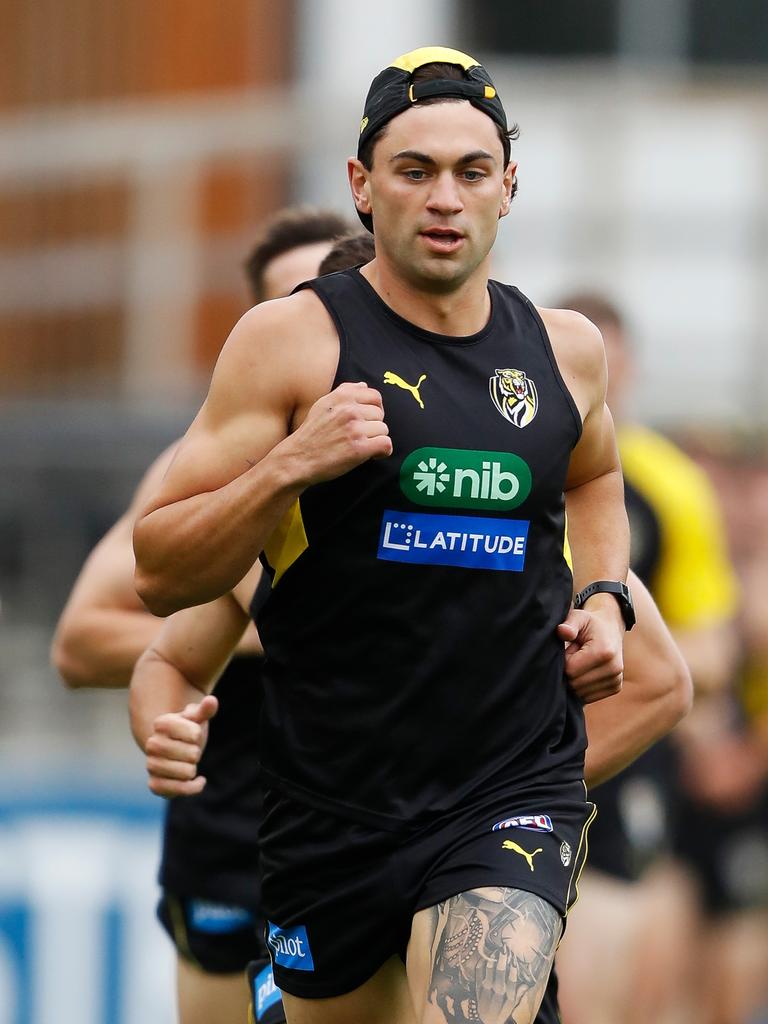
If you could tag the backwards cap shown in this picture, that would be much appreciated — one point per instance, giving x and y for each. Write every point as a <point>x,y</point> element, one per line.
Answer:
<point>393,90</point>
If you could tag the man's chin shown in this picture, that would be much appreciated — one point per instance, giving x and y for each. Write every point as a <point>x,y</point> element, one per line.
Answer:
<point>441,274</point>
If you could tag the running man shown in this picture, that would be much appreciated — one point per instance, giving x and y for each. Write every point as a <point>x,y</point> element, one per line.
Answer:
<point>398,441</point>
<point>104,625</point>
<point>178,669</point>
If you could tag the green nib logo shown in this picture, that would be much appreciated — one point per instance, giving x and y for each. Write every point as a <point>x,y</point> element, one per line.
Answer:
<point>431,478</point>
<point>460,478</point>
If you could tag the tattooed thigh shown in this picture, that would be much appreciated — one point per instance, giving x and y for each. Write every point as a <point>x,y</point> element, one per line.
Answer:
<point>491,951</point>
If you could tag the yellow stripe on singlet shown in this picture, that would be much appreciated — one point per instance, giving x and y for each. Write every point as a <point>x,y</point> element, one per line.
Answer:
<point>287,543</point>
<point>567,548</point>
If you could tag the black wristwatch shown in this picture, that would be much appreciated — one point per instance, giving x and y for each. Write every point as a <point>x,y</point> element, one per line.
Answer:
<point>619,590</point>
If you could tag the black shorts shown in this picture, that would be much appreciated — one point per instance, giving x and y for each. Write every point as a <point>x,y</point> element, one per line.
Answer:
<point>219,938</point>
<point>339,897</point>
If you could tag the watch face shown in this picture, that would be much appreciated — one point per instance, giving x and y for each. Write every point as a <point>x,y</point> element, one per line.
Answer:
<point>627,606</point>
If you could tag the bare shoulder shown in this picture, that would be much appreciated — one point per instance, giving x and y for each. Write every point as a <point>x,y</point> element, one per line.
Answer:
<point>280,351</point>
<point>280,357</point>
<point>574,338</point>
<point>578,347</point>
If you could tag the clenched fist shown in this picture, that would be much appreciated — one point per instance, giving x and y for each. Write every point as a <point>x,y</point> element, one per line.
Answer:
<point>594,663</point>
<point>175,748</point>
<point>342,430</point>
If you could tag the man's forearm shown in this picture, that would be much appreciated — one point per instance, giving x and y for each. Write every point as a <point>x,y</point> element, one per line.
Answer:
<point>620,729</point>
<point>598,531</point>
<point>195,550</point>
<point>157,688</point>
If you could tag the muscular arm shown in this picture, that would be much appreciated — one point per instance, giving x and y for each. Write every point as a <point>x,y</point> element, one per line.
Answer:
<point>266,432</point>
<point>656,695</point>
<point>171,679</point>
<point>104,626</point>
<point>598,530</point>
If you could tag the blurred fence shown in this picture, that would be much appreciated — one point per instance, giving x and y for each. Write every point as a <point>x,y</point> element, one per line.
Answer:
<point>67,473</point>
<point>78,939</point>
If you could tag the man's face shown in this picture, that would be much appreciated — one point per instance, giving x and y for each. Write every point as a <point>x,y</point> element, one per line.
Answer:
<point>437,188</point>
<point>283,273</point>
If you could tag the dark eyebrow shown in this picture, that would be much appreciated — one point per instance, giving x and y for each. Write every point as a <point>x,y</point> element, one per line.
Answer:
<point>423,158</point>
<point>477,154</point>
<point>413,154</point>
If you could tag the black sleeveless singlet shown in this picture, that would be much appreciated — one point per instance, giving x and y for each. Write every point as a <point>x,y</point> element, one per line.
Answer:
<point>411,650</point>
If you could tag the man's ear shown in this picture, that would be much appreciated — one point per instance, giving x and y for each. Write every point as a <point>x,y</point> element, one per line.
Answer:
<point>359,185</point>
<point>507,184</point>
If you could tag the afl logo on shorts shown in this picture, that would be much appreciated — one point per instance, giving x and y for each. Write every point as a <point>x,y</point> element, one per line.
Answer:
<point>514,396</point>
<point>530,822</point>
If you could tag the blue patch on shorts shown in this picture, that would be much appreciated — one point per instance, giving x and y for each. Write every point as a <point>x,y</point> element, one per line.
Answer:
<point>290,947</point>
<point>265,992</point>
<point>218,918</point>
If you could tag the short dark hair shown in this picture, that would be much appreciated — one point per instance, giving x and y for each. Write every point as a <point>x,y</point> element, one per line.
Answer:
<point>350,251</point>
<point>286,230</point>
<point>595,307</point>
<point>428,73</point>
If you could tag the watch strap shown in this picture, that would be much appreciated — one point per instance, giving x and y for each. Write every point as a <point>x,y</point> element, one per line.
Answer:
<point>621,592</point>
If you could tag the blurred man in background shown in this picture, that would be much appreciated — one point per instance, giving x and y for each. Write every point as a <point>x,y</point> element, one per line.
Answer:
<point>632,919</point>
<point>721,837</point>
<point>210,904</point>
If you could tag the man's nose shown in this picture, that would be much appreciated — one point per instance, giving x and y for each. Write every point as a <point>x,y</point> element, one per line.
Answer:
<point>444,196</point>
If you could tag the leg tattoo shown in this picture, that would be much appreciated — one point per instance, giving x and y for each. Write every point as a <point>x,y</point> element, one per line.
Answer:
<point>491,955</point>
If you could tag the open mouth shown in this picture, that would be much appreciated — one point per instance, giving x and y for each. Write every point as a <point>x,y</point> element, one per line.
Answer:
<point>442,239</point>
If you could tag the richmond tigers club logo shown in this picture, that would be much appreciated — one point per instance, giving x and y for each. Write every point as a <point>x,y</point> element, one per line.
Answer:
<point>514,396</point>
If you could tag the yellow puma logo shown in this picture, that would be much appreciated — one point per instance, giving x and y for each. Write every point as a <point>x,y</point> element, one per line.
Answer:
<point>509,845</point>
<point>393,378</point>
